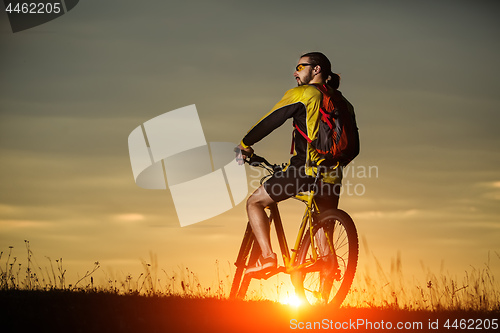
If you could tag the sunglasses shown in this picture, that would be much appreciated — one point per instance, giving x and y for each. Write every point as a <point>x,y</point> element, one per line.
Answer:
<point>302,66</point>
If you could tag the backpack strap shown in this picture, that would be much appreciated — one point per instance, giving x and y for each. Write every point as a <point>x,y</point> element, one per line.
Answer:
<point>323,89</point>
<point>302,133</point>
<point>293,137</point>
<point>324,117</point>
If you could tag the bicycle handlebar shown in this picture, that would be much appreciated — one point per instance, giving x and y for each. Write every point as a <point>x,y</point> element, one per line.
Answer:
<point>259,161</point>
<point>255,160</point>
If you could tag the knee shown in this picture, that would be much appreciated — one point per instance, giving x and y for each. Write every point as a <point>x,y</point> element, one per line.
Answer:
<point>253,201</point>
<point>259,199</point>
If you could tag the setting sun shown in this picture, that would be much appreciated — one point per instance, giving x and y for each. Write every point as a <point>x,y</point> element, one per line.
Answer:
<point>126,203</point>
<point>292,300</point>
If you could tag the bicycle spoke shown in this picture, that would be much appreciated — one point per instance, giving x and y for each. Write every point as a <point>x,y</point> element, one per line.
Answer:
<point>329,279</point>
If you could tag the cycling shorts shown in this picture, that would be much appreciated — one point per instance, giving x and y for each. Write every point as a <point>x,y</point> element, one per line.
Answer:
<point>286,184</point>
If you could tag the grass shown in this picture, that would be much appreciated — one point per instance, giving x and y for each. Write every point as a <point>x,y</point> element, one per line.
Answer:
<point>33,297</point>
<point>31,276</point>
<point>68,311</point>
<point>476,290</point>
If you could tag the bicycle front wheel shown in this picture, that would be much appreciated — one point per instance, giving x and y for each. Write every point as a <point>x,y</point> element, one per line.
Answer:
<point>328,279</point>
<point>248,255</point>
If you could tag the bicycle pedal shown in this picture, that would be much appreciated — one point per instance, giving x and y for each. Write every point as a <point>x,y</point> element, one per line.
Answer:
<point>265,274</point>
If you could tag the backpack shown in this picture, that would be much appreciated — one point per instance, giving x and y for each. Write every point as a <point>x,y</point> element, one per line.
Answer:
<point>338,137</point>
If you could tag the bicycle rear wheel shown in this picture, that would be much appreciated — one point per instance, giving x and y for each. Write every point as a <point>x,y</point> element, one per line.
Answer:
<point>328,280</point>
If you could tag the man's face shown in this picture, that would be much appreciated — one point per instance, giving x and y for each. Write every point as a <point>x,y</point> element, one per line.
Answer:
<point>304,71</point>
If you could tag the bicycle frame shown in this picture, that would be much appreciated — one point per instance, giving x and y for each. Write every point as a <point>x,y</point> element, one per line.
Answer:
<point>289,257</point>
<point>313,263</point>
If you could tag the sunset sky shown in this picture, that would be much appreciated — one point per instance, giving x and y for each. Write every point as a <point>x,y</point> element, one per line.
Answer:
<point>423,77</point>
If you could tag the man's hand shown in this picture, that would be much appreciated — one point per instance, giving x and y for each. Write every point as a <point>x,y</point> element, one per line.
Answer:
<point>241,151</point>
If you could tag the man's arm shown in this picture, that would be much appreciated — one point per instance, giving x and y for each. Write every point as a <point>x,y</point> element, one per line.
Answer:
<point>289,106</point>
<point>240,151</point>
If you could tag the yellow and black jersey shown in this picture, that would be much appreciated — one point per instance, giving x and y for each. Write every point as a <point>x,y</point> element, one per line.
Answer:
<point>302,104</point>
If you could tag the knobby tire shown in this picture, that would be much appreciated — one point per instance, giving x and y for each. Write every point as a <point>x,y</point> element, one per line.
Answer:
<point>314,285</point>
<point>241,282</point>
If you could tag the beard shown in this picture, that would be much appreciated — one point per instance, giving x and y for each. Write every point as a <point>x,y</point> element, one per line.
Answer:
<point>304,80</point>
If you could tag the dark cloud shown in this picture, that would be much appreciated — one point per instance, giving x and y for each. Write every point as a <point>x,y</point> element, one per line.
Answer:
<point>423,77</point>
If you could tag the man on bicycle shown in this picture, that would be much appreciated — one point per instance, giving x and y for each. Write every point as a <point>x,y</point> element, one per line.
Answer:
<point>303,105</point>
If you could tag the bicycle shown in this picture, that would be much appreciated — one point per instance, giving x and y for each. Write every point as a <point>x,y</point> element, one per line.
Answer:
<point>323,261</point>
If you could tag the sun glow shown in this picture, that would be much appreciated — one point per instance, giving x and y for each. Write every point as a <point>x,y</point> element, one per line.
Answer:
<point>292,300</point>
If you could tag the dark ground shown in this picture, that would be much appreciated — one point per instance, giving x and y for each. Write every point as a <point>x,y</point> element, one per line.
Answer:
<point>64,311</point>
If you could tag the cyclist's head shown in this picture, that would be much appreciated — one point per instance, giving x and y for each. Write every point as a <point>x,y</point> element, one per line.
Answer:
<point>321,63</point>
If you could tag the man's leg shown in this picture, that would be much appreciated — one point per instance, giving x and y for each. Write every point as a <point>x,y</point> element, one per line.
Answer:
<point>259,220</point>
<point>281,186</point>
